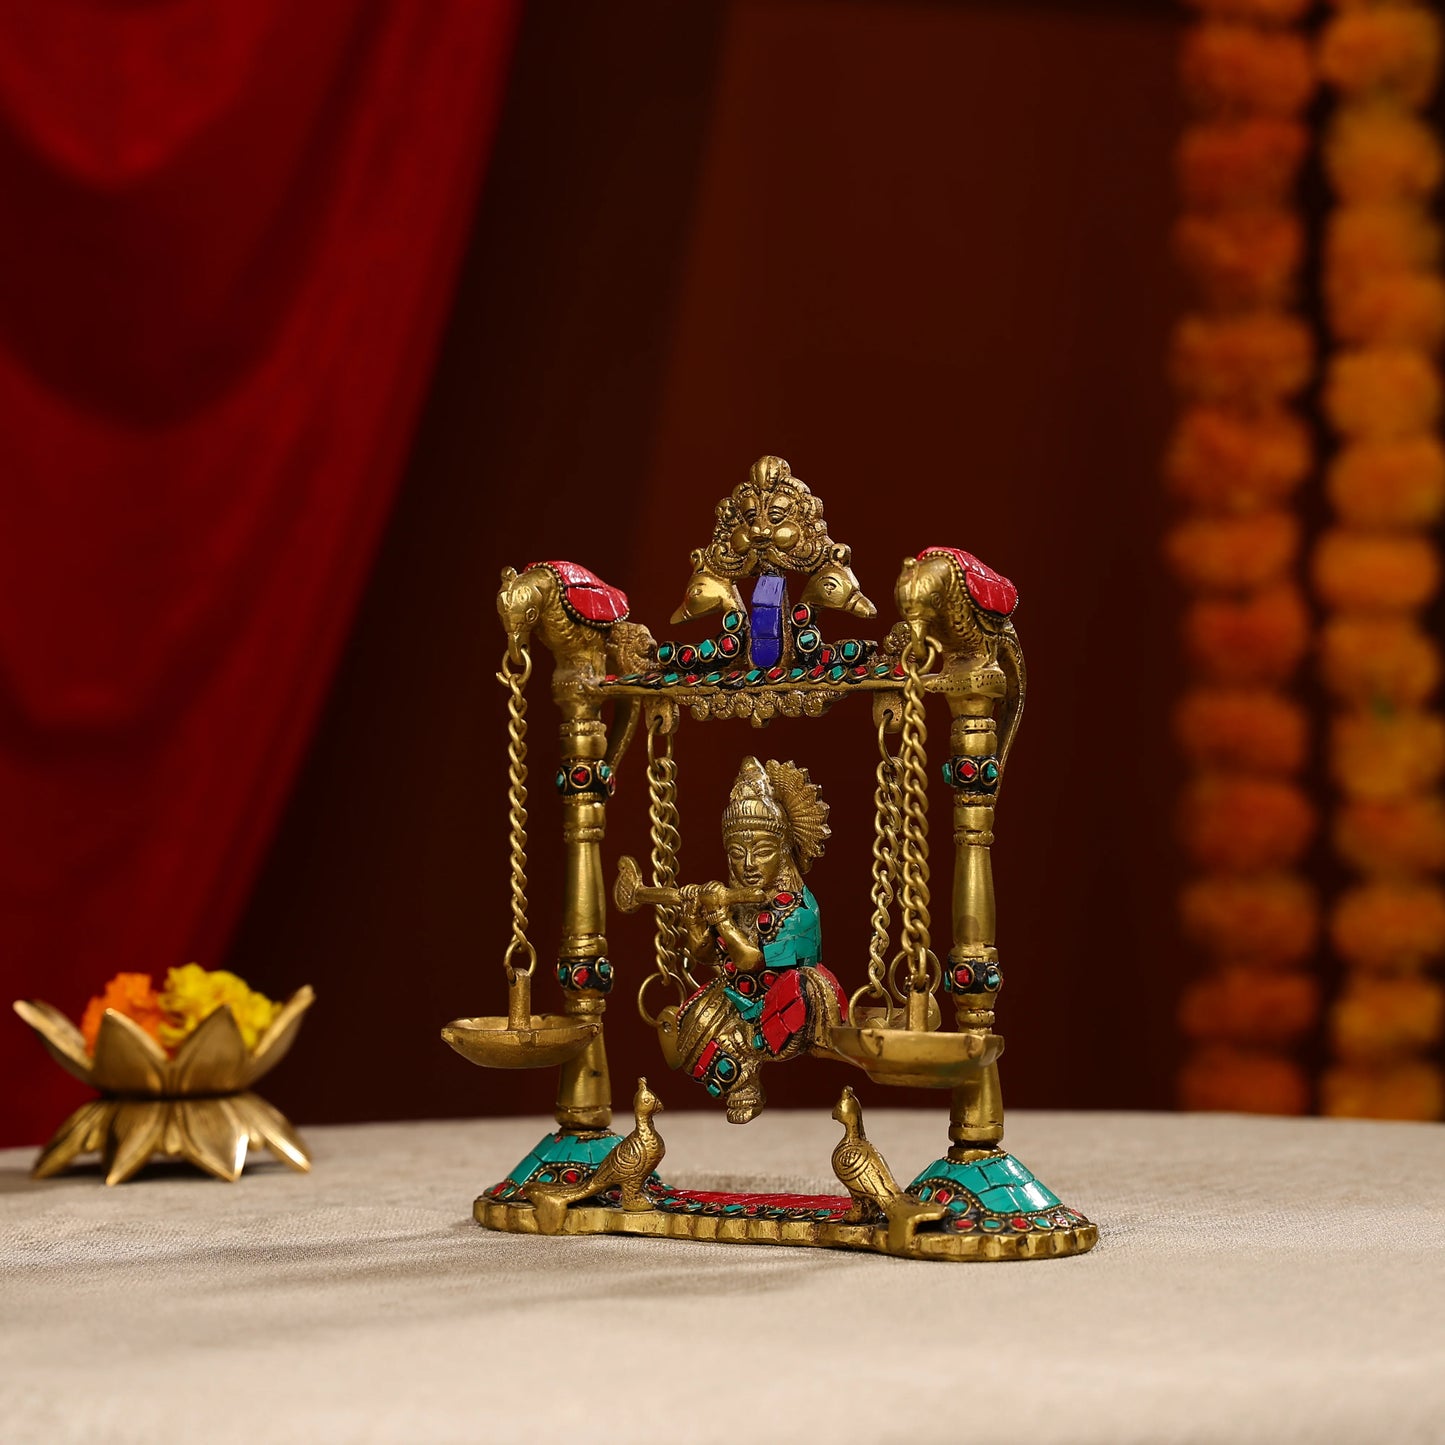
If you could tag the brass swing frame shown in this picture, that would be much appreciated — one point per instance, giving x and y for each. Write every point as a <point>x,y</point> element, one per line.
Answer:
<point>894,1031</point>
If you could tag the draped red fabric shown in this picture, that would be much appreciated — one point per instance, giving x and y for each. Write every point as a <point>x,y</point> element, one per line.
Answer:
<point>232,231</point>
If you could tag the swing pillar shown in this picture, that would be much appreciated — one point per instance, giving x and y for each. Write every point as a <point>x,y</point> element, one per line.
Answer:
<point>584,1091</point>
<point>972,976</point>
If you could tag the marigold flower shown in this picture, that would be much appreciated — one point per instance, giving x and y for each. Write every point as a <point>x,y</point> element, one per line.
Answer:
<point>1380,1019</point>
<point>1243,1081</point>
<point>1381,393</point>
<point>1240,1007</point>
<point>1362,242</point>
<point>1226,462</point>
<point>1410,1091</point>
<point>193,994</point>
<point>1249,163</point>
<point>131,994</point>
<point>1402,837</point>
<point>1372,572</point>
<point>1245,824</point>
<point>1231,69</point>
<point>1393,49</point>
<point>1392,310</point>
<point>1251,730</point>
<point>1263,922</point>
<point>1258,639</point>
<point>1381,756</point>
<point>1241,258</point>
<point>1390,925</point>
<point>1254,359</point>
<point>1378,660</point>
<point>1233,554</point>
<point>1386,484</point>
<point>1377,153</point>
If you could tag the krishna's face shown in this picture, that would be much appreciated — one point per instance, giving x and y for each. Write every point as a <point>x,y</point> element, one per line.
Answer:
<point>767,519</point>
<point>756,857</point>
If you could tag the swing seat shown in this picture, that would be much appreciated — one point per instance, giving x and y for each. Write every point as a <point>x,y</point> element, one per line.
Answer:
<point>545,1041</point>
<point>912,1058</point>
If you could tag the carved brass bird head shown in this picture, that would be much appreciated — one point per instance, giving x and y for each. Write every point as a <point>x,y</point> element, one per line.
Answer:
<point>846,1110</point>
<point>644,1102</point>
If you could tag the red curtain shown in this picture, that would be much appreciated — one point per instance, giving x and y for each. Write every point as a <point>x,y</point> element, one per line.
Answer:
<point>232,231</point>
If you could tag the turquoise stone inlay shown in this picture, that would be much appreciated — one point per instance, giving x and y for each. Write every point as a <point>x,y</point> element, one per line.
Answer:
<point>1000,1184</point>
<point>562,1151</point>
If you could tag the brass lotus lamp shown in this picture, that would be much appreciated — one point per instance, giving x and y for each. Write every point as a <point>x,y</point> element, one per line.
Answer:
<point>197,1106</point>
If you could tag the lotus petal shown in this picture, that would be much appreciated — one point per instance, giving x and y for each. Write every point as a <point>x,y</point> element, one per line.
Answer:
<point>63,1041</point>
<point>100,1127</point>
<point>127,1059</point>
<point>76,1136</point>
<point>213,1136</point>
<point>213,1059</point>
<point>275,1130</point>
<point>271,1047</point>
<point>135,1132</point>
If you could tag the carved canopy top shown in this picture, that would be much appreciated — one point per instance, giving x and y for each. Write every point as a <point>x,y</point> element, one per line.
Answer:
<point>770,523</point>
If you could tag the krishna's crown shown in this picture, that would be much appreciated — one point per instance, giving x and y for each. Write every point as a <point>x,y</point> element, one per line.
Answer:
<point>778,798</point>
<point>751,804</point>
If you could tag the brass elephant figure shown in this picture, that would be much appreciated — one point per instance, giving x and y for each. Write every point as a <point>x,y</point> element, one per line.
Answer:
<point>582,622</point>
<point>952,601</point>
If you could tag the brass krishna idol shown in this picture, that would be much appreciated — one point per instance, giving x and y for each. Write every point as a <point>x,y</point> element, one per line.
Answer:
<point>737,982</point>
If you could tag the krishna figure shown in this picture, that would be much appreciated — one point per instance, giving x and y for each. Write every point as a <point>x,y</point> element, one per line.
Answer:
<point>771,998</point>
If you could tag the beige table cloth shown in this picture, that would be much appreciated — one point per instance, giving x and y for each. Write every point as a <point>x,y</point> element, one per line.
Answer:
<point>1257,1280</point>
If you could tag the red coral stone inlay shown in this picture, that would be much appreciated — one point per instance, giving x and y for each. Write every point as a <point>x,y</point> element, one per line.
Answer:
<point>587,594</point>
<point>784,1013</point>
<point>991,590</point>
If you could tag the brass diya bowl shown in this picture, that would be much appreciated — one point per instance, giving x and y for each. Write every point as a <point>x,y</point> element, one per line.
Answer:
<point>913,1058</point>
<point>196,1106</point>
<point>536,1042</point>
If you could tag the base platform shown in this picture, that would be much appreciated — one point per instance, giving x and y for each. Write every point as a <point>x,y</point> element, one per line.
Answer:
<point>814,1220</point>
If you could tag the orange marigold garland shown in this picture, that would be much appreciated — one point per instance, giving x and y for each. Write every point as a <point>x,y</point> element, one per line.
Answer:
<point>1238,455</point>
<point>1378,566</point>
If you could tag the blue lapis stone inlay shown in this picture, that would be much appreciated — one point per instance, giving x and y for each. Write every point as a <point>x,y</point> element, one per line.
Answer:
<point>765,620</point>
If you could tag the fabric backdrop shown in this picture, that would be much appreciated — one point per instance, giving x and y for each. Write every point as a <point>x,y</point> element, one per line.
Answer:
<point>233,228</point>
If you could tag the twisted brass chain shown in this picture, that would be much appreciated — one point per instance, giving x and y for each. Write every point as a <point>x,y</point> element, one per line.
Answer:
<point>516,669</point>
<point>666,842</point>
<point>913,863</point>
<point>887,823</point>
